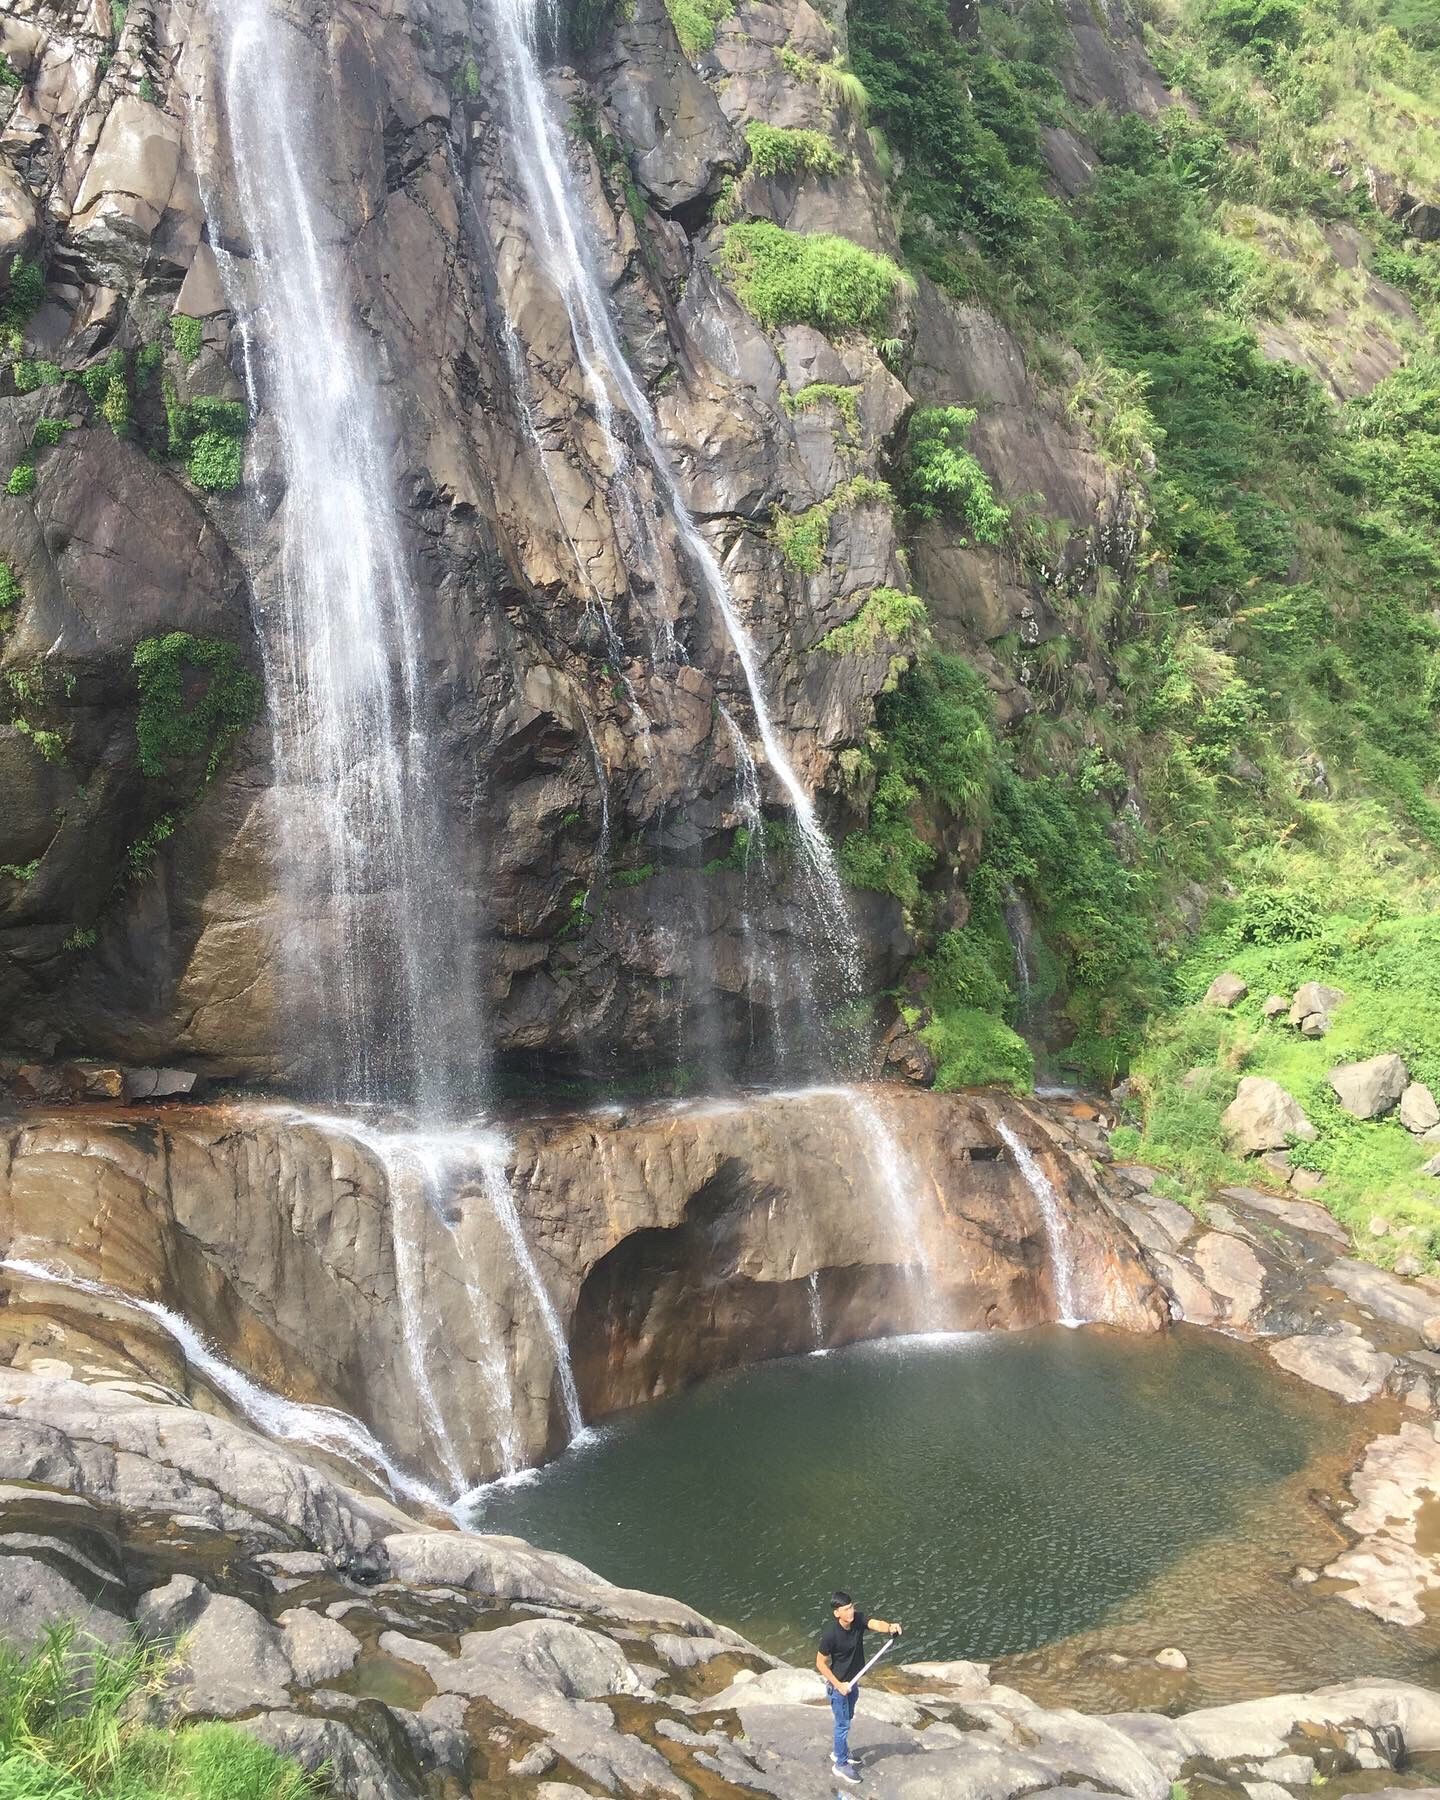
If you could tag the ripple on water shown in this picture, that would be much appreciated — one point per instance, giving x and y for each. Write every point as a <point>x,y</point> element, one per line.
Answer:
<point>998,1492</point>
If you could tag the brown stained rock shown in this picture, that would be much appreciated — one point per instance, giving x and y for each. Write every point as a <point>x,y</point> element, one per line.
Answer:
<point>1369,1089</point>
<point>1264,1116</point>
<point>1232,1270</point>
<point>679,137</point>
<point>296,1221</point>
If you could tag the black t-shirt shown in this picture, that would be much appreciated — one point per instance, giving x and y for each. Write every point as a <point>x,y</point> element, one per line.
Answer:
<point>845,1646</point>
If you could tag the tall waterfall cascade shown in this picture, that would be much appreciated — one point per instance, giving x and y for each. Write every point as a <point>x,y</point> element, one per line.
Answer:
<point>562,239</point>
<point>377,913</point>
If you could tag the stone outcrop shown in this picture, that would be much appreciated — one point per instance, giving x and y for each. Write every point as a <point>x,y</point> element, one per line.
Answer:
<point>1264,1116</point>
<point>1226,991</point>
<point>1369,1089</point>
<point>1313,1008</point>
<point>323,1258</point>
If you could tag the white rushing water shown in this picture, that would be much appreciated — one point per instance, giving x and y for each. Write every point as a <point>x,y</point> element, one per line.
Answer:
<point>1052,1216</point>
<point>561,234</point>
<point>897,1186</point>
<point>817,1317</point>
<point>321,1428</point>
<point>373,926</point>
<point>430,1167</point>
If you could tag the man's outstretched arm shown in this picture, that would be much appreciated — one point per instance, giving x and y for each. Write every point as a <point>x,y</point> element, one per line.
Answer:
<point>884,1627</point>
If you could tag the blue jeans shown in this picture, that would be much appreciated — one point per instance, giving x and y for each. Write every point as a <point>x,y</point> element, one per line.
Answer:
<point>843,1707</point>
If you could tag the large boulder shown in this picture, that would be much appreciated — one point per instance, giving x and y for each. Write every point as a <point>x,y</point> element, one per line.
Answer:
<point>1225,990</point>
<point>1313,1007</point>
<point>1369,1089</point>
<point>1418,1111</point>
<point>1264,1116</point>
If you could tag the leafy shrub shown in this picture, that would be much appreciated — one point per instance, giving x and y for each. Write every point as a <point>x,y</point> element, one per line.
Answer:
<point>195,698</point>
<point>696,22</point>
<point>187,335</point>
<point>29,375</point>
<point>942,477</point>
<point>12,595</point>
<point>1260,26</point>
<point>48,433</point>
<point>21,299</point>
<point>797,278</point>
<point>783,150</point>
<point>885,614</point>
<point>21,481</point>
<point>217,462</point>
<point>976,1049</point>
<point>96,379</point>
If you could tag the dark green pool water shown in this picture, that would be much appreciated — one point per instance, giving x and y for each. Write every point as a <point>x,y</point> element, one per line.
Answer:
<point>994,1492</point>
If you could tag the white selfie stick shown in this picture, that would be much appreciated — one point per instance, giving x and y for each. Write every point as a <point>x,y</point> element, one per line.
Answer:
<point>873,1660</point>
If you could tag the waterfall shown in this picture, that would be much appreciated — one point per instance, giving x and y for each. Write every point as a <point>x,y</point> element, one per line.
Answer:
<point>897,1185</point>
<point>562,239</point>
<point>374,931</point>
<point>1057,1240</point>
<point>441,1161</point>
<point>1021,933</point>
<point>760,961</point>
<point>494,1152</point>
<point>817,1318</point>
<point>321,1428</point>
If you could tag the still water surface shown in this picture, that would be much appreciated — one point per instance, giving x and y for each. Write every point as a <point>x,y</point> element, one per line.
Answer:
<point>996,1492</point>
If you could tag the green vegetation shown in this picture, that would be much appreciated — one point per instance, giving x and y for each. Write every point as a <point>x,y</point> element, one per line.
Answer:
<point>845,400</point>
<point>696,22</point>
<point>886,614</point>
<point>941,477</point>
<point>21,480</point>
<point>12,595</point>
<point>28,375</point>
<point>187,335</point>
<point>803,536</point>
<point>20,300</point>
<point>841,87</point>
<point>141,855</point>
<point>195,699</point>
<point>626,878</point>
<point>208,435</point>
<point>48,433</point>
<point>48,744</point>
<point>83,937</point>
<point>118,11</point>
<point>798,278</point>
<point>9,75</point>
<point>71,1729</point>
<point>18,872</point>
<point>783,150</point>
<point>1337,908</point>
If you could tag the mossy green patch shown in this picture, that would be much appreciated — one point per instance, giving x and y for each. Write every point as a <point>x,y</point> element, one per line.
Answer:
<point>786,150</point>
<point>799,278</point>
<point>803,536</point>
<point>195,699</point>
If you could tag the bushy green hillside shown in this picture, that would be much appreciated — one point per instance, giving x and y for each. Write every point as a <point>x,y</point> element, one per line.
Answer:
<point>1271,753</point>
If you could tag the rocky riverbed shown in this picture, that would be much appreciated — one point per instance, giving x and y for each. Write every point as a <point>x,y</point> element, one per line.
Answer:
<point>416,1658</point>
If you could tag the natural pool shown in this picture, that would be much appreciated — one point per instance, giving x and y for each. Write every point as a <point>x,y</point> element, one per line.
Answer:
<point>997,1492</point>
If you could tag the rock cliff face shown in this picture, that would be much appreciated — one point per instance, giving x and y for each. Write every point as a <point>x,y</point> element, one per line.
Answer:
<point>332,1266</point>
<point>581,681</point>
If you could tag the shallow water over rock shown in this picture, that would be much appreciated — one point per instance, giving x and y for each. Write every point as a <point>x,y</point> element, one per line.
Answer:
<point>995,1492</point>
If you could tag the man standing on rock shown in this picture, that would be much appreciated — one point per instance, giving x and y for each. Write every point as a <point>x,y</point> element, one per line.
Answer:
<point>840,1658</point>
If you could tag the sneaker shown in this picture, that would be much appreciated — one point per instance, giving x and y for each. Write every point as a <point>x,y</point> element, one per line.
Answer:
<point>847,1772</point>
